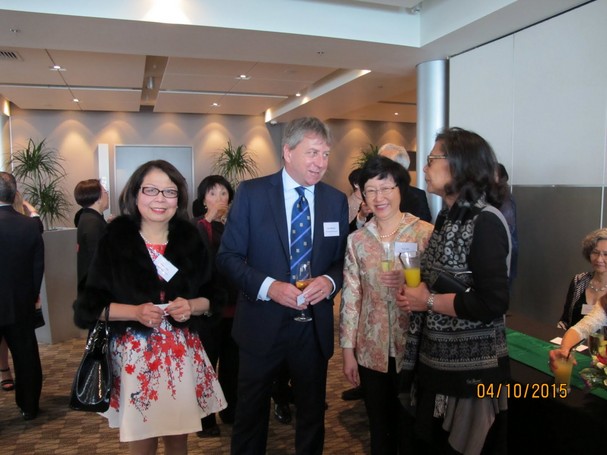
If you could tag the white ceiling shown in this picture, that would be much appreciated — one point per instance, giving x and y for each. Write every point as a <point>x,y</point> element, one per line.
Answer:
<point>108,63</point>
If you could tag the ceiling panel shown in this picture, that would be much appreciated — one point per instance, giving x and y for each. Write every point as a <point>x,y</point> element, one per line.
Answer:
<point>202,104</point>
<point>109,100</point>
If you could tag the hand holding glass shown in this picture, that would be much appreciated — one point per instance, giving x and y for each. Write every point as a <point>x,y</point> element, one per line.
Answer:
<point>302,280</point>
<point>411,267</point>
<point>563,367</point>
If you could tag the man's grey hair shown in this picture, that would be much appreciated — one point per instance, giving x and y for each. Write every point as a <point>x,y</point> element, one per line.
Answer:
<point>401,157</point>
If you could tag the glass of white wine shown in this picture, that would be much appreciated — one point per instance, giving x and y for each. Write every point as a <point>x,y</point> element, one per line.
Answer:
<point>302,279</point>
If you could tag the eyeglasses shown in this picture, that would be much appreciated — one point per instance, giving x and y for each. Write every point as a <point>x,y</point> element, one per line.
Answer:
<point>169,193</point>
<point>430,158</point>
<point>372,192</point>
<point>597,253</point>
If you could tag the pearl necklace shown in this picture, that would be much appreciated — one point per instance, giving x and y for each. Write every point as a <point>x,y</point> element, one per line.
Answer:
<point>595,289</point>
<point>150,243</point>
<point>385,236</point>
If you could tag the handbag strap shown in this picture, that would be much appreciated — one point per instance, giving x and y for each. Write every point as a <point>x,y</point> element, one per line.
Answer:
<point>107,320</point>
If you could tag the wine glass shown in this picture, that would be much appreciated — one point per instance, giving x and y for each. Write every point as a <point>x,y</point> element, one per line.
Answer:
<point>410,262</point>
<point>302,279</point>
<point>387,264</point>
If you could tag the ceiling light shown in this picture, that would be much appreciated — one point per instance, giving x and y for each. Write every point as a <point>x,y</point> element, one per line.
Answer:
<point>150,84</point>
<point>56,68</point>
<point>243,77</point>
<point>76,100</point>
<point>298,94</point>
<point>396,113</point>
<point>215,104</point>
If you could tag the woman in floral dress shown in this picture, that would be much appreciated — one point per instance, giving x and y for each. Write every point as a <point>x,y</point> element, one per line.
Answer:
<point>153,271</point>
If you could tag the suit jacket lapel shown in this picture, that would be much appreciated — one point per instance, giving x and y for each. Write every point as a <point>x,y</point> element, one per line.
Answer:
<point>276,199</point>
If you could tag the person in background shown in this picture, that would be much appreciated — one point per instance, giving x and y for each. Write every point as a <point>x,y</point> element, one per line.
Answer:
<point>215,329</point>
<point>587,288</point>
<point>415,201</point>
<point>256,251</point>
<point>355,198</point>
<point>7,382</point>
<point>372,328</point>
<point>151,268</point>
<point>508,209</point>
<point>94,200</point>
<point>456,338</point>
<point>21,271</point>
<point>592,322</point>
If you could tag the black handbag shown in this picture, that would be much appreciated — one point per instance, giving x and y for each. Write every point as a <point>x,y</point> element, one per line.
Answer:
<point>443,281</point>
<point>38,318</point>
<point>92,384</point>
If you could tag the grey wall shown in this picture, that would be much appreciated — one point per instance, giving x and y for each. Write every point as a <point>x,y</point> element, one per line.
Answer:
<point>540,98</point>
<point>76,135</point>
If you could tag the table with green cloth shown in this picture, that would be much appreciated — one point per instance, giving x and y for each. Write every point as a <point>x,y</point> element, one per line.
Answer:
<point>575,424</point>
<point>534,352</point>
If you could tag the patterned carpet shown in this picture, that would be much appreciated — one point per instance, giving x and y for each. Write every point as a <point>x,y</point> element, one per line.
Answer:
<point>59,430</point>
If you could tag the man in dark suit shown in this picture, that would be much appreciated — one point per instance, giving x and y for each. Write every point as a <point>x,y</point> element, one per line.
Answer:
<point>256,253</point>
<point>21,271</point>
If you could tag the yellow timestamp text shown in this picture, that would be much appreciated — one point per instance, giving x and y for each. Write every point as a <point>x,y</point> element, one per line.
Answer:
<point>522,390</point>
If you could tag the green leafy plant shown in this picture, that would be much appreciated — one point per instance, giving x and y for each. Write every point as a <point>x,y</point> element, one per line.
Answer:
<point>235,164</point>
<point>39,170</point>
<point>365,154</point>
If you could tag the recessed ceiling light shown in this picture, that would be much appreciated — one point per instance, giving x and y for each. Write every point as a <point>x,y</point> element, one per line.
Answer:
<point>298,94</point>
<point>56,68</point>
<point>215,104</point>
<point>396,113</point>
<point>76,100</point>
<point>243,77</point>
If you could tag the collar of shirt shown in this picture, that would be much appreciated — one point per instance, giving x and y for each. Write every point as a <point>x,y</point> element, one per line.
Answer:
<point>291,195</point>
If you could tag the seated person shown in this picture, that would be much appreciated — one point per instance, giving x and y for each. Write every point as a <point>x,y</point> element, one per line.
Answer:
<point>588,287</point>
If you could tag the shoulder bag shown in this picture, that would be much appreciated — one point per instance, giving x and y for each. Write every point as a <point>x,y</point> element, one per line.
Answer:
<point>92,385</point>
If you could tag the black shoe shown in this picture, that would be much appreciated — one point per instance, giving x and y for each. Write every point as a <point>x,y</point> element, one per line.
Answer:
<point>210,432</point>
<point>29,415</point>
<point>282,413</point>
<point>352,394</point>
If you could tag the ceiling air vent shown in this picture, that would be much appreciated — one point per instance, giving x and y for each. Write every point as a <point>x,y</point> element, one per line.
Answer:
<point>9,55</point>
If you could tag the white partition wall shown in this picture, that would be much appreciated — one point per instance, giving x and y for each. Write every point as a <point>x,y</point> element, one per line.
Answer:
<point>540,98</point>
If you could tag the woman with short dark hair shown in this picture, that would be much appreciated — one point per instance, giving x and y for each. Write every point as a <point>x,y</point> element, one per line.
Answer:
<point>457,335</point>
<point>153,271</point>
<point>372,327</point>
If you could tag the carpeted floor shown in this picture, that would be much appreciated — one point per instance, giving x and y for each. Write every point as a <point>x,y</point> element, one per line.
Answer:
<point>59,430</point>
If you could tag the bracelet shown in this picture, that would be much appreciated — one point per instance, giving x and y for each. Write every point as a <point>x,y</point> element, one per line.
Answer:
<point>430,303</point>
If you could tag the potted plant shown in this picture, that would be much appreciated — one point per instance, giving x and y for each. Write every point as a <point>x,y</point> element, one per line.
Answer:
<point>365,154</point>
<point>39,170</point>
<point>235,164</point>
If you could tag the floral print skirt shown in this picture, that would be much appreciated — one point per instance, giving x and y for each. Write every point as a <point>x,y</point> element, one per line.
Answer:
<point>163,383</point>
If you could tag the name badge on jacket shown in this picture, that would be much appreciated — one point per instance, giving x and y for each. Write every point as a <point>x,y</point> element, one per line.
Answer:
<point>331,228</point>
<point>165,268</point>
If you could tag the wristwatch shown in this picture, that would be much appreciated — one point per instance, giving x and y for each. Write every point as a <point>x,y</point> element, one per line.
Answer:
<point>430,302</point>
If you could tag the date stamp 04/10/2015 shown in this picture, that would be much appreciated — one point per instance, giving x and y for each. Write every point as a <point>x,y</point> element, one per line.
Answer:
<point>516,390</point>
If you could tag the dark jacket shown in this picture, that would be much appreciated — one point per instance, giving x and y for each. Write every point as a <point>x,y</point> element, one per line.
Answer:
<point>123,272</point>
<point>91,226</point>
<point>21,266</point>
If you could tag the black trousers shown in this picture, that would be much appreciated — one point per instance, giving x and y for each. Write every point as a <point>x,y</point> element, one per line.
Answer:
<point>23,345</point>
<point>389,424</point>
<point>297,346</point>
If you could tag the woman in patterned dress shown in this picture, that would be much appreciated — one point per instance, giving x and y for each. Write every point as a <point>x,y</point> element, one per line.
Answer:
<point>152,269</point>
<point>457,338</point>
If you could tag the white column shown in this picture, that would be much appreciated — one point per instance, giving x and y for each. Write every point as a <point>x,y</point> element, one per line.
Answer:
<point>432,116</point>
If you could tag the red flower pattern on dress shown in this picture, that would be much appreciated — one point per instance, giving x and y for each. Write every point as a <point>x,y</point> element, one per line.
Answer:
<point>155,356</point>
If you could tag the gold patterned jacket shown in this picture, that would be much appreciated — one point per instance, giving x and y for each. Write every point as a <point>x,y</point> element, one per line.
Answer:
<point>371,324</point>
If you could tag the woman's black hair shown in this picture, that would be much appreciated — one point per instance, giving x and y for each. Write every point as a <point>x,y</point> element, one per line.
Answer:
<point>128,197</point>
<point>87,192</point>
<point>473,166</point>
<point>382,167</point>
<point>209,183</point>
